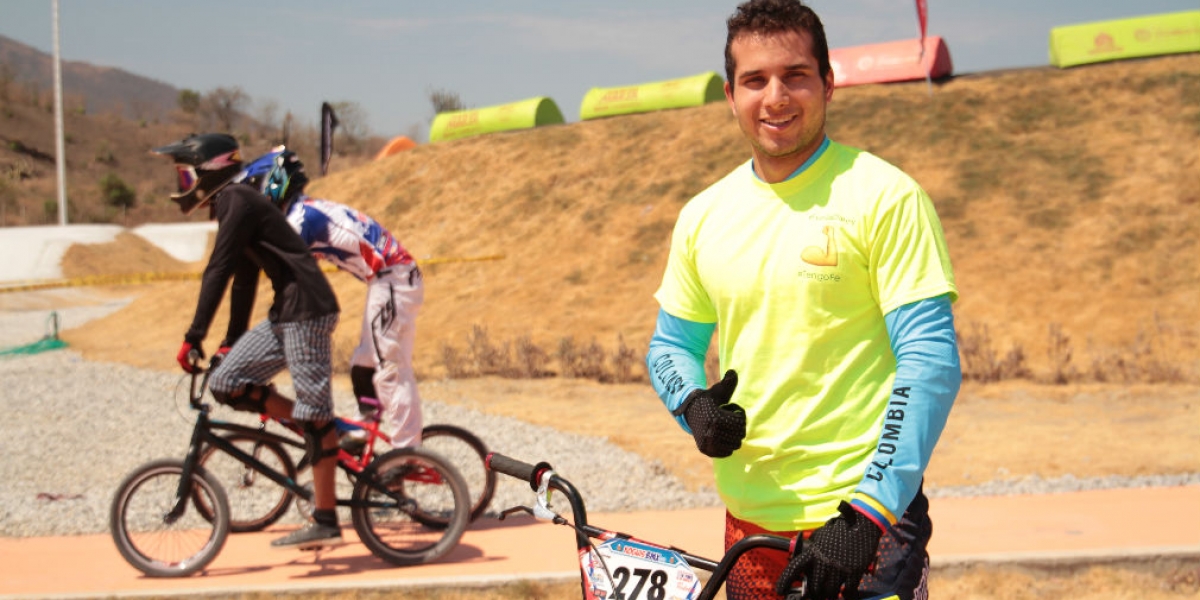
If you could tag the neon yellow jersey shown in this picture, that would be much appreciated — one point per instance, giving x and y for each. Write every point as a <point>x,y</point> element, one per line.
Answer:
<point>798,276</point>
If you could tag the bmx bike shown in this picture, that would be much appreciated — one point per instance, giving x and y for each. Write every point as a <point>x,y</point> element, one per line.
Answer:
<point>171,517</point>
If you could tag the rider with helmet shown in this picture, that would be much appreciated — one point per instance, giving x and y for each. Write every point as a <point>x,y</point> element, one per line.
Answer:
<point>253,237</point>
<point>381,366</point>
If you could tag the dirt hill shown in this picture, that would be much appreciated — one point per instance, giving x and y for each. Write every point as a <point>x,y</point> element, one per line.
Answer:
<point>1070,199</point>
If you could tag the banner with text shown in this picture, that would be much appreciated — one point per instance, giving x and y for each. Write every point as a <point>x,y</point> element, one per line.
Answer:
<point>524,114</point>
<point>1152,35</point>
<point>901,60</point>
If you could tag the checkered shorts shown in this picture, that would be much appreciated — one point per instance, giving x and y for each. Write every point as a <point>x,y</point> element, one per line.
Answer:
<point>304,348</point>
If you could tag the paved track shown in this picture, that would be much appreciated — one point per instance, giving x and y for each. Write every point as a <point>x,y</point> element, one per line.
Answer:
<point>1080,526</point>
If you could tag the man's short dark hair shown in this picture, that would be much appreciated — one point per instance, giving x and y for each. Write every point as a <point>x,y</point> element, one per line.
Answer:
<point>776,16</point>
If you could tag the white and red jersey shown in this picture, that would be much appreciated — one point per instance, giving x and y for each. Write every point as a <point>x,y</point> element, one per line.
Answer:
<point>351,240</point>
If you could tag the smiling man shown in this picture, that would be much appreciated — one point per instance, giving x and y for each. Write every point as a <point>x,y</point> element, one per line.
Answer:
<point>825,272</point>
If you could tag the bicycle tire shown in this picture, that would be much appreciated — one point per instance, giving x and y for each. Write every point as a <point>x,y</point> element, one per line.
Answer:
<point>255,502</point>
<point>399,530</point>
<point>147,541</point>
<point>468,454</point>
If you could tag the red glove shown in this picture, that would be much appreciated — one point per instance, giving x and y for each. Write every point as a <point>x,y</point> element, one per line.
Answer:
<point>220,355</point>
<point>185,359</point>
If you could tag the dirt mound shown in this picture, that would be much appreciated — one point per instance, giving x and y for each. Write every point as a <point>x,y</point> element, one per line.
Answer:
<point>127,254</point>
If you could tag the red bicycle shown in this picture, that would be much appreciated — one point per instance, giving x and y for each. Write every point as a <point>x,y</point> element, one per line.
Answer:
<point>256,502</point>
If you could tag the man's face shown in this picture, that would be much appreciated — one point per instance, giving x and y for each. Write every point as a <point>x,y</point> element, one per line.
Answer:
<point>779,99</point>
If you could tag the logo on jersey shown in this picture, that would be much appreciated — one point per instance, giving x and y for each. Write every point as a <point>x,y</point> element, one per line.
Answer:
<point>819,256</point>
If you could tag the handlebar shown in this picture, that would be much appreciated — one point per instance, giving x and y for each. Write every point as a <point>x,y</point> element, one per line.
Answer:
<point>542,478</point>
<point>517,469</point>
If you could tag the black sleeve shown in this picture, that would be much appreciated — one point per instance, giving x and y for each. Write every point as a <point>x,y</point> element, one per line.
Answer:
<point>241,299</point>
<point>234,231</point>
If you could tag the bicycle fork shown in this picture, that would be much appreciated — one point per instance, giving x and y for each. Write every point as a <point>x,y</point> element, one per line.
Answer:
<point>189,469</point>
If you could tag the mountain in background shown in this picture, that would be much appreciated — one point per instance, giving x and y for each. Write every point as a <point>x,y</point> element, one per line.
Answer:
<point>94,89</point>
<point>111,121</point>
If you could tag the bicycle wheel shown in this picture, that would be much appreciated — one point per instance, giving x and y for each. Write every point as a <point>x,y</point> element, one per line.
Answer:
<point>422,515</point>
<point>255,502</point>
<point>467,453</point>
<point>152,543</point>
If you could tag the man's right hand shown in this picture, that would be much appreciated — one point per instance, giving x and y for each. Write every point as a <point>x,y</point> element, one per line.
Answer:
<point>717,424</point>
<point>184,357</point>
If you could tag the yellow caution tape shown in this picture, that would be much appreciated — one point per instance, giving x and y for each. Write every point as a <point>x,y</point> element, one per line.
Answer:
<point>141,278</point>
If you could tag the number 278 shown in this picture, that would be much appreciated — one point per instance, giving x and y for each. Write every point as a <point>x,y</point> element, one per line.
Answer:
<point>656,591</point>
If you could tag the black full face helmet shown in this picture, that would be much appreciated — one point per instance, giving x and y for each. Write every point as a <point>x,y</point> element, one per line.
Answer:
<point>204,164</point>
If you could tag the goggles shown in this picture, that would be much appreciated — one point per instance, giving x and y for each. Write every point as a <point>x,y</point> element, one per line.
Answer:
<point>187,178</point>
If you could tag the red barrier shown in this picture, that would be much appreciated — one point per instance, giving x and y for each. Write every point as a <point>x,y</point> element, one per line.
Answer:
<point>890,61</point>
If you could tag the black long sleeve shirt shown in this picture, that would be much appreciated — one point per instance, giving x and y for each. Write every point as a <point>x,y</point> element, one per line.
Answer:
<point>252,236</point>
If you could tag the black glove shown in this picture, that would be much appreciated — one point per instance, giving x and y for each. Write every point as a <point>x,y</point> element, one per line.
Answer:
<point>717,425</point>
<point>838,554</point>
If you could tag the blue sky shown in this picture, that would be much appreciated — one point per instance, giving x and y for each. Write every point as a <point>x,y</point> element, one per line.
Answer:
<point>387,55</point>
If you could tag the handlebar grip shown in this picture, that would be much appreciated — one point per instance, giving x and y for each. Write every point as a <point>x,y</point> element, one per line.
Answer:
<point>515,468</point>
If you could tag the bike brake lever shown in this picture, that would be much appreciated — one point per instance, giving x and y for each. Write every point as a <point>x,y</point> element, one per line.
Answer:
<point>543,510</point>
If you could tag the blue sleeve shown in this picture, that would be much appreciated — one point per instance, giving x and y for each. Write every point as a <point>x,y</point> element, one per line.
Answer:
<point>676,359</point>
<point>927,380</point>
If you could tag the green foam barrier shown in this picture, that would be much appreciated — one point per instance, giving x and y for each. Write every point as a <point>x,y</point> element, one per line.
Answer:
<point>1152,35</point>
<point>50,341</point>
<point>524,114</point>
<point>675,93</point>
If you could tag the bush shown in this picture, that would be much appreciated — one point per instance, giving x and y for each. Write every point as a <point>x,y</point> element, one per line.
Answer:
<point>524,359</point>
<point>116,192</point>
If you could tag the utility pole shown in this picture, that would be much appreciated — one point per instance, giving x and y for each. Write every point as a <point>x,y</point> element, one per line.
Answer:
<point>60,152</point>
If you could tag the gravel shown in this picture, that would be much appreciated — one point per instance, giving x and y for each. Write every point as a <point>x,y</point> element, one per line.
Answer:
<point>75,428</point>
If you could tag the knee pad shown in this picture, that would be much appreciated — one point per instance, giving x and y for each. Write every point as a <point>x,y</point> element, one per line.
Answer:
<point>313,434</point>
<point>251,398</point>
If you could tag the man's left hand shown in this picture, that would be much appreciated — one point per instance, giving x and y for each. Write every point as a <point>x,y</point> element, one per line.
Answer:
<point>838,554</point>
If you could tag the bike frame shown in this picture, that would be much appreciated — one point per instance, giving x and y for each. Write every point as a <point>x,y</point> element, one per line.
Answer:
<point>542,479</point>
<point>349,462</point>
<point>204,432</point>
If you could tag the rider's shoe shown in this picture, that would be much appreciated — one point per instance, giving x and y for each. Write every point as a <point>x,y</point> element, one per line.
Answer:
<point>311,536</point>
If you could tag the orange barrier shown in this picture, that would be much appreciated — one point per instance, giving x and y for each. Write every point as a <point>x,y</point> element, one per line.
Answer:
<point>890,61</point>
<point>399,143</point>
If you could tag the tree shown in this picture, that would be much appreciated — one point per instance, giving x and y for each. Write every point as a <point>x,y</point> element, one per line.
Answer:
<point>188,101</point>
<point>352,122</point>
<point>445,101</point>
<point>267,115</point>
<point>224,106</point>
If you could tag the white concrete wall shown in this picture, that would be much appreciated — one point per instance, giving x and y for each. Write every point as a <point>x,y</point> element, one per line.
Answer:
<point>35,253</point>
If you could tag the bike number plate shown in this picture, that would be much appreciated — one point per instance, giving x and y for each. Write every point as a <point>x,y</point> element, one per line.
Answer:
<point>638,571</point>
